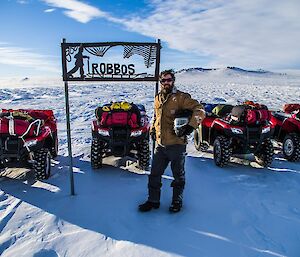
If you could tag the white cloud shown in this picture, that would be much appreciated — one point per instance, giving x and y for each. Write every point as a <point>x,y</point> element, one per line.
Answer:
<point>22,1</point>
<point>258,33</point>
<point>78,10</point>
<point>50,10</point>
<point>10,55</point>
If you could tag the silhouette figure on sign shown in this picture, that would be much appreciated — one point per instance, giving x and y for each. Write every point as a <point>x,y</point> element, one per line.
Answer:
<point>78,63</point>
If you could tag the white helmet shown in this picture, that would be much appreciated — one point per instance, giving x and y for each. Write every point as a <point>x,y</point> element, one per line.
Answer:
<point>182,118</point>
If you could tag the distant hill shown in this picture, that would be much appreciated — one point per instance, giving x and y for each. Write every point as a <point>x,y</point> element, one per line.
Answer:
<point>195,69</point>
<point>230,70</point>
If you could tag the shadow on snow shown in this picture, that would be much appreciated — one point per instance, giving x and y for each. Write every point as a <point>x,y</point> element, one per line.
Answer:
<point>219,212</point>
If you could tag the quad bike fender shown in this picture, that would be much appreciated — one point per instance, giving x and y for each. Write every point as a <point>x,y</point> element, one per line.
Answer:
<point>43,140</point>
<point>288,126</point>
<point>204,128</point>
<point>292,125</point>
<point>95,125</point>
<point>276,123</point>
<point>222,127</point>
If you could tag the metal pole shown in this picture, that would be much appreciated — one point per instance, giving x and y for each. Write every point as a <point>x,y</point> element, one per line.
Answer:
<point>69,138</point>
<point>156,83</point>
<point>157,65</point>
<point>68,123</point>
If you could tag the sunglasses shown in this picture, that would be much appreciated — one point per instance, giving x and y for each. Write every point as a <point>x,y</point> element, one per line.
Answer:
<point>166,80</point>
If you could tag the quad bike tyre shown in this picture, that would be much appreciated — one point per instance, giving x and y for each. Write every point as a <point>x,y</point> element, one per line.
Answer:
<point>144,154</point>
<point>197,143</point>
<point>54,148</point>
<point>291,147</point>
<point>96,153</point>
<point>222,151</point>
<point>264,156</point>
<point>42,164</point>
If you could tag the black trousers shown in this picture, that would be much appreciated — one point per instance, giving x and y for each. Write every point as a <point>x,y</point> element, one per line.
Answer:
<point>161,158</point>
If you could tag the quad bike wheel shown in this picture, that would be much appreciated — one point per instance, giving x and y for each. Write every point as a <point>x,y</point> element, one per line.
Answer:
<point>42,164</point>
<point>96,153</point>
<point>54,148</point>
<point>144,154</point>
<point>2,166</point>
<point>198,144</point>
<point>264,156</point>
<point>222,151</point>
<point>291,147</point>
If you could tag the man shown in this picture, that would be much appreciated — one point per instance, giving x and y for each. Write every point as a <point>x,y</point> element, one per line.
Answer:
<point>169,146</point>
<point>78,63</point>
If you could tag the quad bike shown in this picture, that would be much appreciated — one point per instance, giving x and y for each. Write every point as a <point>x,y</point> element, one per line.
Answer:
<point>240,130</point>
<point>28,135</point>
<point>286,126</point>
<point>120,129</point>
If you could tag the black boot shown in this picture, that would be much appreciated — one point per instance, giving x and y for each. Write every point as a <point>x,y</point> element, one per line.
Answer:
<point>175,206</point>
<point>148,206</point>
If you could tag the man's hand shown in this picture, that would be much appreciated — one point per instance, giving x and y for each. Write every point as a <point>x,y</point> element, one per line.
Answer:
<point>189,129</point>
<point>184,131</point>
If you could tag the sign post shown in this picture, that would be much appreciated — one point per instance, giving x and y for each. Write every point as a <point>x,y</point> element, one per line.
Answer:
<point>80,62</point>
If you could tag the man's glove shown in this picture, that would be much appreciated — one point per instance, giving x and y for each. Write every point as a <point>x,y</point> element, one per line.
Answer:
<point>185,130</point>
<point>189,129</point>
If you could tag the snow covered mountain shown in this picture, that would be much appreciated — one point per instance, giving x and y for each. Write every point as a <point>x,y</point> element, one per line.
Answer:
<point>229,71</point>
<point>233,76</point>
<point>240,210</point>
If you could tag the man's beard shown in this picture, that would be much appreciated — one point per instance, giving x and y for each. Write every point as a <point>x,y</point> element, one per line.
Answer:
<point>167,90</point>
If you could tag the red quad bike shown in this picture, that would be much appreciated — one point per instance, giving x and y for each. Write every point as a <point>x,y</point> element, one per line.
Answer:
<point>121,129</point>
<point>28,135</point>
<point>240,129</point>
<point>286,126</point>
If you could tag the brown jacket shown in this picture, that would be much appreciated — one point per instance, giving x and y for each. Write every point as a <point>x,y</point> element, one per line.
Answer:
<point>164,115</point>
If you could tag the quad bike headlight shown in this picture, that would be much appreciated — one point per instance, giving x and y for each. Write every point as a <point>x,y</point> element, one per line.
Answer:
<point>136,133</point>
<point>30,143</point>
<point>266,130</point>
<point>236,131</point>
<point>103,132</point>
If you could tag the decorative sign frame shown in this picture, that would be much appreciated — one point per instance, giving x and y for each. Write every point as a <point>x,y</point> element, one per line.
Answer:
<point>76,66</point>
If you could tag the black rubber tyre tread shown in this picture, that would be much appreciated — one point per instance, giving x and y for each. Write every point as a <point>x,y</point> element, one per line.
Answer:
<point>264,156</point>
<point>295,156</point>
<point>54,148</point>
<point>225,152</point>
<point>2,166</point>
<point>96,153</point>
<point>144,154</point>
<point>42,164</point>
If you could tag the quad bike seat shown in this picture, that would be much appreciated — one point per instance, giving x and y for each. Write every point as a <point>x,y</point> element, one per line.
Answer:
<point>281,115</point>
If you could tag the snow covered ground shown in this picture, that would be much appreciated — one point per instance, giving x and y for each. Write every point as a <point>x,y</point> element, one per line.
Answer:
<point>240,210</point>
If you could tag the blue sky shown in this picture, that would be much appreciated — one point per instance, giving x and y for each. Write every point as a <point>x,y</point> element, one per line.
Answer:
<point>203,33</point>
